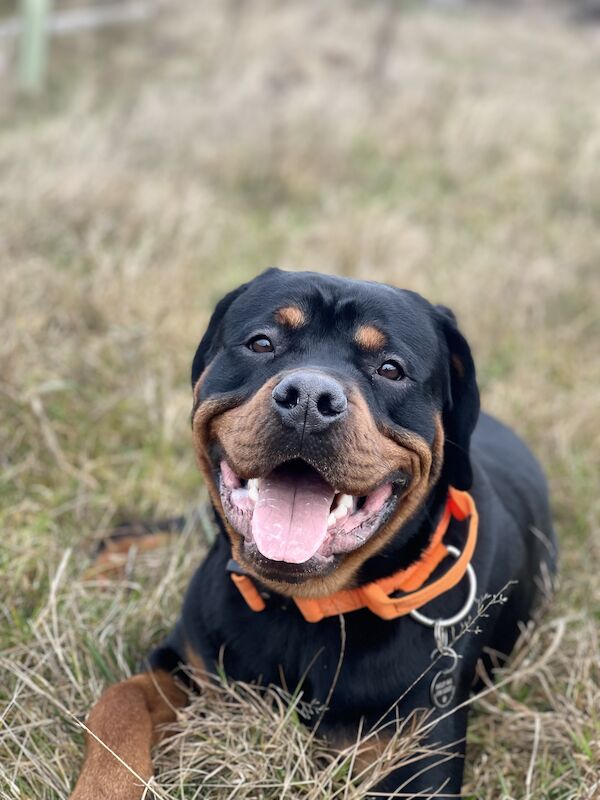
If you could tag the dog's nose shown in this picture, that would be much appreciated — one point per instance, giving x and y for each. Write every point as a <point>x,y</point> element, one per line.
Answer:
<point>309,401</point>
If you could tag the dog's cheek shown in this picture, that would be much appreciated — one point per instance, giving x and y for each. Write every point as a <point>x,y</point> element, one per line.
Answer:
<point>425,467</point>
<point>364,455</point>
<point>203,414</point>
<point>371,454</point>
<point>237,428</point>
<point>202,420</point>
<point>437,450</point>
<point>244,430</point>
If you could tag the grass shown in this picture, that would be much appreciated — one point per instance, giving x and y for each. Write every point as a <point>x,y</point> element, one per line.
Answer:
<point>455,153</point>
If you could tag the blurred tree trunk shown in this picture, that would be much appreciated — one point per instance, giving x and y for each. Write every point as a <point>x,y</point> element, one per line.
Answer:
<point>33,52</point>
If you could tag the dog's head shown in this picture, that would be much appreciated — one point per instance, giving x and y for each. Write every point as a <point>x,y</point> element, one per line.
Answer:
<point>324,411</point>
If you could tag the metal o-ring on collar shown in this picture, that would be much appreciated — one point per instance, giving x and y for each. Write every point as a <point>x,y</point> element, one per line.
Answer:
<point>460,615</point>
<point>450,653</point>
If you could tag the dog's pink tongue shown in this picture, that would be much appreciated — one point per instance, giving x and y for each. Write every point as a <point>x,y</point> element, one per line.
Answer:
<point>290,516</point>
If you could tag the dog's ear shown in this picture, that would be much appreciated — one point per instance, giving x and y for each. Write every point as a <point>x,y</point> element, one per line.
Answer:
<point>461,407</point>
<point>212,337</point>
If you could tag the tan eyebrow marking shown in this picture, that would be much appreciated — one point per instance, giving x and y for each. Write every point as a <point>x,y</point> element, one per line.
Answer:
<point>290,316</point>
<point>369,337</point>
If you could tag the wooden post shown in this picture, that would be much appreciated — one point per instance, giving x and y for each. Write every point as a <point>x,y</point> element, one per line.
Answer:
<point>34,44</point>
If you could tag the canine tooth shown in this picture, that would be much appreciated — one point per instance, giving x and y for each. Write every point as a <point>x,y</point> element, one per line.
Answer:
<point>340,511</point>
<point>331,520</point>
<point>253,489</point>
<point>342,501</point>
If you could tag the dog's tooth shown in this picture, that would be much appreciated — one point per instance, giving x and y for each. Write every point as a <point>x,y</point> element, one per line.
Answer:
<point>340,511</point>
<point>331,520</point>
<point>253,489</point>
<point>347,500</point>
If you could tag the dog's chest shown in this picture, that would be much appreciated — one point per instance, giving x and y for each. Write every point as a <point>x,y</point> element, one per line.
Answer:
<point>356,666</point>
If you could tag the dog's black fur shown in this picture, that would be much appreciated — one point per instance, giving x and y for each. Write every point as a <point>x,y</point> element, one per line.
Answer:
<point>516,547</point>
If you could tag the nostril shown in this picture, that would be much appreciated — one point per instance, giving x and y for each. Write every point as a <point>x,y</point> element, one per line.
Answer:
<point>286,396</point>
<point>331,405</point>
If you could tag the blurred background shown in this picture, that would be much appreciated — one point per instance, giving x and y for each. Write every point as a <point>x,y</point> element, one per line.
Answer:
<point>155,154</point>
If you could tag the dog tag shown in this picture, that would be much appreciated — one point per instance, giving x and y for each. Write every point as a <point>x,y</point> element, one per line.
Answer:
<point>443,685</point>
<point>442,689</point>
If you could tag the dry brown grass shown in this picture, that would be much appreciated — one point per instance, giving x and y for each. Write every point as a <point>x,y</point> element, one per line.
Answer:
<point>455,154</point>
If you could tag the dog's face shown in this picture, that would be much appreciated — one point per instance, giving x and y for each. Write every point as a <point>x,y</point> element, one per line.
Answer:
<point>324,410</point>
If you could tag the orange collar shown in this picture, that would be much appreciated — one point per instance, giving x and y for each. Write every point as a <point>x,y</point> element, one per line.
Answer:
<point>376,596</point>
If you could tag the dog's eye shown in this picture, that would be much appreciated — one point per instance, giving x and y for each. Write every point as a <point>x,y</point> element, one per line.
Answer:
<point>391,370</point>
<point>260,344</point>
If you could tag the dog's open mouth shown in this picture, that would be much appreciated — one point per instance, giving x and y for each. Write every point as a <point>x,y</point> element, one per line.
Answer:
<point>294,516</point>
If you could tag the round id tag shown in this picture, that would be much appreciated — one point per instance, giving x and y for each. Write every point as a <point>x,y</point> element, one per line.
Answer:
<point>442,689</point>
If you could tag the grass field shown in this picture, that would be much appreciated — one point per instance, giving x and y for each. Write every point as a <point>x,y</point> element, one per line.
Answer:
<point>455,153</point>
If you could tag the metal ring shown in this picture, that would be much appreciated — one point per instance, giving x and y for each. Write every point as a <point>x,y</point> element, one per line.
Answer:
<point>460,615</point>
<point>447,652</point>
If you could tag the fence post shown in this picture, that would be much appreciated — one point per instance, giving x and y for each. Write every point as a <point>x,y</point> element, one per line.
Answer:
<point>33,46</point>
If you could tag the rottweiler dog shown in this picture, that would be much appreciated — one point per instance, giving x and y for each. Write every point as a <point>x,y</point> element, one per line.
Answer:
<point>356,485</point>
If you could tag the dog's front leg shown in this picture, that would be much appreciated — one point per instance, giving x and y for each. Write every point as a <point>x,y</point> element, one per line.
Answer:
<point>122,729</point>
